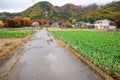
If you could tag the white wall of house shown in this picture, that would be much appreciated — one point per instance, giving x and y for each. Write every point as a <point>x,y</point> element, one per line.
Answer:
<point>56,24</point>
<point>105,23</point>
<point>35,24</point>
<point>102,24</point>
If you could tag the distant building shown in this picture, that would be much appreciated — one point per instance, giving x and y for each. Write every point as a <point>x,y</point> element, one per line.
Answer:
<point>55,24</point>
<point>35,24</point>
<point>102,24</point>
<point>80,24</point>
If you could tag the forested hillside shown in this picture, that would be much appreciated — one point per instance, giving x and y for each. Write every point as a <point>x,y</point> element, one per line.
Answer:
<point>110,11</point>
<point>89,13</point>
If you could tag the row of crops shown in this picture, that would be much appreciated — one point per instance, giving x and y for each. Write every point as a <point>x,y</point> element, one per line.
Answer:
<point>14,33</point>
<point>15,29</point>
<point>102,48</point>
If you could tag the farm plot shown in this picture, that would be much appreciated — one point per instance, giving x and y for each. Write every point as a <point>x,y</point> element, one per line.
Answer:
<point>11,40</point>
<point>14,34</point>
<point>103,49</point>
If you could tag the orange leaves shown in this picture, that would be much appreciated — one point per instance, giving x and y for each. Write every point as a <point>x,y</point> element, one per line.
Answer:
<point>27,21</point>
<point>26,18</point>
<point>1,23</point>
<point>117,22</point>
<point>17,22</point>
<point>74,21</point>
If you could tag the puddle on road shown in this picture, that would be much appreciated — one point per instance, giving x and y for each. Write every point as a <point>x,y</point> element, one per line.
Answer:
<point>50,40</point>
<point>51,57</point>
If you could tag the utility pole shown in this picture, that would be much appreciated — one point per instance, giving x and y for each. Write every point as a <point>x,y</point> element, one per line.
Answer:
<point>46,16</point>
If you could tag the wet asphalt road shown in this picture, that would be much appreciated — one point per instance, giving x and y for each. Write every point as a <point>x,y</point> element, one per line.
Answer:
<point>46,60</point>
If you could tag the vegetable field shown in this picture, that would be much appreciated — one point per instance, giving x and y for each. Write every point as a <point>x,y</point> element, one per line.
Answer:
<point>14,33</point>
<point>103,49</point>
<point>11,39</point>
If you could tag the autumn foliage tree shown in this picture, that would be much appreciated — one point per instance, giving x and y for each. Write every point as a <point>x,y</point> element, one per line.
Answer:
<point>73,21</point>
<point>9,23</point>
<point>1,23</point>
<point>50,22</point>
<point>21,22</point>
<point>61,21</point>
<point>17,22</point>
<point>117,22</point>
<point>26,18</point>
<point>27,21</point>
<point>42,21</point>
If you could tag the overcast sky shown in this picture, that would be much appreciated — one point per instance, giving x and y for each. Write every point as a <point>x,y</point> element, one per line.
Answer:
<point>20,5</point>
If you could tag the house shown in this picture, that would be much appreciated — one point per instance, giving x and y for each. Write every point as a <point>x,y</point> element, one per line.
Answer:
<point>91,26</point>
<point>102,24</point>
<point>35,24</point>
<point>80,24</point>
<point>55,24</point>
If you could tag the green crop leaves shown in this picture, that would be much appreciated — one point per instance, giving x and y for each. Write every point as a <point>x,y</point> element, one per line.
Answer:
<point>102,48</point>
<point>14,34</point>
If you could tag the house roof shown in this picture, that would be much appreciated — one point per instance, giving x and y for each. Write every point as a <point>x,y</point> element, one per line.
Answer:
<point>101,20</point>
<point>35,23</point>
<point>66,23</point>
<point>55,23</point>
<point>80,23</point>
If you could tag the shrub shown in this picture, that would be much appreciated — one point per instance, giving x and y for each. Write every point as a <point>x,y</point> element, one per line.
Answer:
<point>117,23</point>
<point>1,23</point>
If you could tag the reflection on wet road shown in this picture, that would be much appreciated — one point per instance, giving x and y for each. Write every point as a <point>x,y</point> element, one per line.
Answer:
<point>46,60</point>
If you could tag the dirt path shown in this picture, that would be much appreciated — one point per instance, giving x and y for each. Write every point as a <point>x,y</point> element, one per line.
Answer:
<point>45,59</point>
